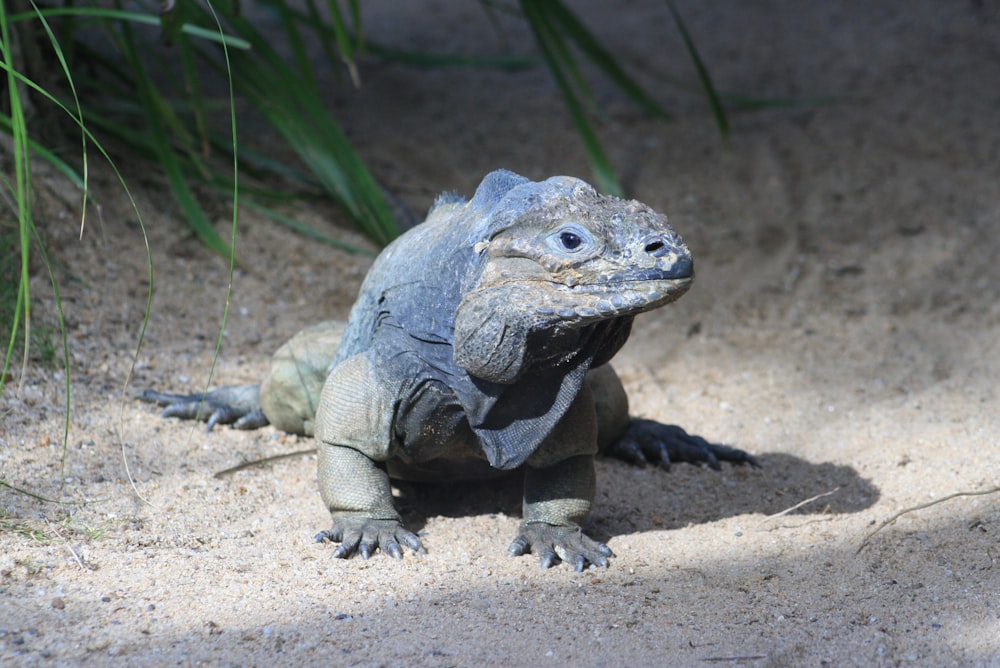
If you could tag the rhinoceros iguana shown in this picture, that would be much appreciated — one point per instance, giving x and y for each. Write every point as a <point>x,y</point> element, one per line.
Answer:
<point>479,344</point>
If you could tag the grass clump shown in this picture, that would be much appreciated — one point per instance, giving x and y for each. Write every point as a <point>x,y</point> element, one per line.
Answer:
<point>144,77</point>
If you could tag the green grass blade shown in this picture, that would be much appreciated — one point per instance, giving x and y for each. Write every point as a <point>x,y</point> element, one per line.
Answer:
<point>750,103</point>
<point>343,39</point>
<point>294,38</point>
<point>509,62</point>
<point>300,116</point>
<point>354,7</point>
<point>48,156</point>
<point>265,168</point>
<point>703,76</point>
<point>83,140</point>
<point>83,218</point>
<point>64,338</point>
<point>306,230</point>
<point>79,121</point>
<point>549,44</point>
<point>157,110</point>
<point>22,196</point>
<point>236,207</point>
<point>192,84</point>
<point>562,54</point>
<point>423,59</point>
<point>325,39</point>
<point>39,497</point>
<point>134,17</point>
<point>569,25</point>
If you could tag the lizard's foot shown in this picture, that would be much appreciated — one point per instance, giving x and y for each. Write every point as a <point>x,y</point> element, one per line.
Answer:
<point>553,544</point>
<point>649,441</point>
<point>364,536</point>
<point>238,406</point>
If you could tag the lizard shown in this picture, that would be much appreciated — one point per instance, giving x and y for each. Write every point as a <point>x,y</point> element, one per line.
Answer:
<point>479,344</point>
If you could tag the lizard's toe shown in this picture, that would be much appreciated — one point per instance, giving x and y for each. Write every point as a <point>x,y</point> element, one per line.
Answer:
<point>362,535</point>
<point>553,544</point>
<point>236,405</point>
<point>651,441</point>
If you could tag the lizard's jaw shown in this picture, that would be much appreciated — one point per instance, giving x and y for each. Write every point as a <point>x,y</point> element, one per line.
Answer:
<point>664,274</point>
<point>584,304</point>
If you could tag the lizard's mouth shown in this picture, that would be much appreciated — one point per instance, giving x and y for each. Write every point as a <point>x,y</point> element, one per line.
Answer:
<point>585,303</point>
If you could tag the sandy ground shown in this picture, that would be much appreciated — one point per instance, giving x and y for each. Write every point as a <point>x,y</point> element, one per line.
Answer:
<point>844,328</point>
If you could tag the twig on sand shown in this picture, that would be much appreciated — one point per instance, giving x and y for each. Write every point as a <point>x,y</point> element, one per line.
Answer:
<point>76,557</point>
<point>864,543</point>
<point>797,506</point>
<point>265,460</point>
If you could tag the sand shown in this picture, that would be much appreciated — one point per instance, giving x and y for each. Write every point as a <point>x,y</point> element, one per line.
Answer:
<point>844,328</point>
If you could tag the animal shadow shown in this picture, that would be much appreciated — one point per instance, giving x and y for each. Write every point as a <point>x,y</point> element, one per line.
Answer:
<point>631,499</point>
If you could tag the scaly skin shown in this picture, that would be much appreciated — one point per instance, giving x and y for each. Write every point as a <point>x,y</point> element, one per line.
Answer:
<point>478,344</point>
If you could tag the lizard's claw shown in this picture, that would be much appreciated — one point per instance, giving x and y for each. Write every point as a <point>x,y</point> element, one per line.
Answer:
<point>553,544</point>
<point>238,406</point>
<point>649,441</point>
<point>364,536</point>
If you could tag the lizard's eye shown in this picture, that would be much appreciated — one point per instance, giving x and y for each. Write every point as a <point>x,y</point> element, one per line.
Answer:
<point>572,239</point>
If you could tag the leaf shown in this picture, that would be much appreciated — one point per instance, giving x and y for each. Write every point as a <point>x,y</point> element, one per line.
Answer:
<point>573,28</point>
<point>558,58</point>
<point>703,76</point>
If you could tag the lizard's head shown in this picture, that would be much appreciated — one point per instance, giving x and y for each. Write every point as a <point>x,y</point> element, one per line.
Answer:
<point>582,256</point>
<point>553,258</point>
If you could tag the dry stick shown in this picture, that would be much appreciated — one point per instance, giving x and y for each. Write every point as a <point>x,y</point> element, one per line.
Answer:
<point>265,460</point>
<point>79,561</point>
<point>748,657</point>
<point>895,517</point>
<point>797,506</point>
<point>128,471</point>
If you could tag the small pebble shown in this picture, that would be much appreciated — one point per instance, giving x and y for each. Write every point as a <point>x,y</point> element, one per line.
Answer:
<point>58,603</point>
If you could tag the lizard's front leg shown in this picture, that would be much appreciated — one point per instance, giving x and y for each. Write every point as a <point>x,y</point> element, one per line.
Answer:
<point>557,500</point>
<point>559,486</point>
<point>358,495</point>
<point>354,434</point>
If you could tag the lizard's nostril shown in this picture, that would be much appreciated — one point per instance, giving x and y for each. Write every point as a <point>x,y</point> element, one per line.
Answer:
<point>656,246</point>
